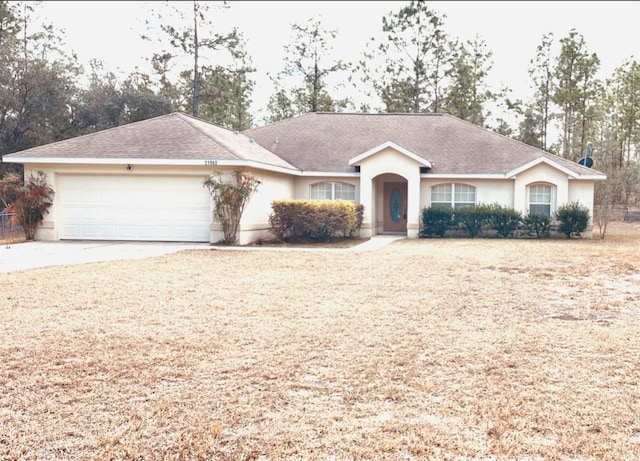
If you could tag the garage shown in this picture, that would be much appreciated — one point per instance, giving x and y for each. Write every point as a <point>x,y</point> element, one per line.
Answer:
<point>133,207</point>
<point>143,181</point>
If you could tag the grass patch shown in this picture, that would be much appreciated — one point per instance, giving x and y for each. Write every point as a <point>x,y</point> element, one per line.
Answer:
<point>457,349</point>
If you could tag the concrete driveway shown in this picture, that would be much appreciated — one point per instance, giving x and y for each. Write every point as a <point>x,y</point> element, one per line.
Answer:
<point>30,255</point>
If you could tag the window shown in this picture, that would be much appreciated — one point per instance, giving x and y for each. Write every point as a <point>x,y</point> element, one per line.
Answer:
<point>540,198</point>
<point>453,195</point>
<point>333,191</point>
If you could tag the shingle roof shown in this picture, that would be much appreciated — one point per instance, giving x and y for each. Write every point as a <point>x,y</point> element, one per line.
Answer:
<point>325,142</point>
<point>320,142</point>
<point>174,136</point>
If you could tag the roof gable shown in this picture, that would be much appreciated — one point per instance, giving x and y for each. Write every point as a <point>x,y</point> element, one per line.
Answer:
<point>394,146</point>
<point>538,161</point>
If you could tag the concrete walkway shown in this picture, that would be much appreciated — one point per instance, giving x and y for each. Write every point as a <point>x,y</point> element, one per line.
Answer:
<point>374,243</point>
<point>30,255</point>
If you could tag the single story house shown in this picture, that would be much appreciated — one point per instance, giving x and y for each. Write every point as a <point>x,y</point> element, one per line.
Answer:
<point>143,181</point>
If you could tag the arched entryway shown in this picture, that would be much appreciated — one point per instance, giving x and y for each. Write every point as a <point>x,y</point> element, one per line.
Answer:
<point>390,190</point>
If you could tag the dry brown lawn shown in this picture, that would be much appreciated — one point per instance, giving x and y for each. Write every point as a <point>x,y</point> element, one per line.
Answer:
<point>435,349</point>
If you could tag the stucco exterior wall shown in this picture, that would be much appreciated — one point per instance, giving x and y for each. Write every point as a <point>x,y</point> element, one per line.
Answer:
<point>582,192</point>
<point>388,165</point>
<point>488,191</point>
<point>541,174</point>
<point>302,184</point>
<point>514,192</point>
<point>255,220</point>
<point>388,161</point>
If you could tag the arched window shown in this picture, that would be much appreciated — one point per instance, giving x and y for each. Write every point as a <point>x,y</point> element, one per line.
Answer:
<point>541,198</point>
<point>332,190</point>
<point>453,195</point>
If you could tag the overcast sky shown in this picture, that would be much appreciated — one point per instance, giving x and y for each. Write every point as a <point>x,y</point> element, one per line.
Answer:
<point>110,31</point>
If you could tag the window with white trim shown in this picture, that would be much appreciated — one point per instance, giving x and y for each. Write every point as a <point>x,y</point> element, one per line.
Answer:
<point>453,195</point>
<point>540,199</point>
<point>332,190</point>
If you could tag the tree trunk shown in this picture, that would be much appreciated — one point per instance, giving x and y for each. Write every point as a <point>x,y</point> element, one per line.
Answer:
<point>196,73</point>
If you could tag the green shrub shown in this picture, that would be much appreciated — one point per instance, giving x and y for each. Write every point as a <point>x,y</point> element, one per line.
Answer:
<point>319,220</point>
<point>436,220</point>
<point>503,220</point>
<point>283,219</point>
<point>230,195</point>
<point>359,218</point>
<point>537,224</point>
<point>28,200</point>
<point>473,218</point>
<point>573,218</point>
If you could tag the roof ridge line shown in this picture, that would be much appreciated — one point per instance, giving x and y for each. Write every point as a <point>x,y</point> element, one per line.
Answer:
<point>428,114</point>
<point>191,120</point>
<point>279,122</point>
<point>188,119</point>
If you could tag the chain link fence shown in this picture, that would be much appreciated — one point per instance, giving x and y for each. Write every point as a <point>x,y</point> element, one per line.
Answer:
<point>9,230</point>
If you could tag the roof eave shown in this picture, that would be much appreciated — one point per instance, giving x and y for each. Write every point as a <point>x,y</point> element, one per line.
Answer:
<point>572,174</point>
<point>331,174</point>
<point>591,177</point>
<point>152,162</point>
<point>463,176</point>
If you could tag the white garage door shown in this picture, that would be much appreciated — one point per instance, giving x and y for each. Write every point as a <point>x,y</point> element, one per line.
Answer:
<point>143,208</point>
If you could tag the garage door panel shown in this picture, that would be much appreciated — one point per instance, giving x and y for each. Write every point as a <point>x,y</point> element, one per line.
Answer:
<point>124,232</point>
<point>106,232</point>
<point>134,208</point>
<point>89,232</point>
<point>88,197</point>
<point>109,198</point>
<point>150,232</point>
<point>69,229</point>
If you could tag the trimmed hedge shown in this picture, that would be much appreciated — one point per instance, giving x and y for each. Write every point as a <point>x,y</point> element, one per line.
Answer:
<point>537,224</point>
<point>473,218</point>
<point>506,222</point>
<point>318,220</point>
<point>437,220</point>
<point>573,218</point>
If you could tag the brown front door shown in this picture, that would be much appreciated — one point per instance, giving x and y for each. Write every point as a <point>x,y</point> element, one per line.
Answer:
<point>395,207</point>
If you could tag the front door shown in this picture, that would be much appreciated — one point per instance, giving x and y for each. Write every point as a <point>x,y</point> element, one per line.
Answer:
<point>395,207</point>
